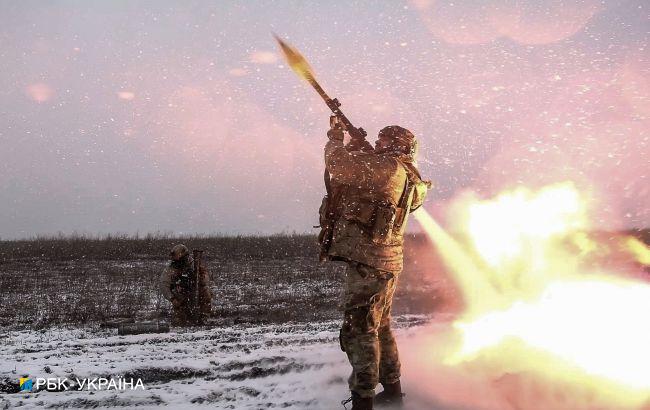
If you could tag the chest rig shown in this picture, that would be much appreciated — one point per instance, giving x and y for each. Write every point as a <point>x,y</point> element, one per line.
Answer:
<point>381,219</point>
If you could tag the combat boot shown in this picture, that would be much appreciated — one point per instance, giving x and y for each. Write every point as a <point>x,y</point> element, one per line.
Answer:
<point>358,402</point>
<point>391,396</point>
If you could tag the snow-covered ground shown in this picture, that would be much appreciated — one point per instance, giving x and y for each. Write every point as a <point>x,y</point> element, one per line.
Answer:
<point>289,366</point>
<point>279,366</point>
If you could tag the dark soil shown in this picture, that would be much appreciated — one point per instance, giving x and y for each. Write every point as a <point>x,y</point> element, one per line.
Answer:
<point>87,281</point>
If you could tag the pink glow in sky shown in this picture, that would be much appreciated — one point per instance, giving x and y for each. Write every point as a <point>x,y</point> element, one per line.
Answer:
<point>181,117</point>
<point>39,92</point>
<point>532,22</point>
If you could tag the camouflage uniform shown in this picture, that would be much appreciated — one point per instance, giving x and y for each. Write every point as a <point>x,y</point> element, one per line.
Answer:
<point>175,287</point>
<point>366,336</point>
<point>373,194</point>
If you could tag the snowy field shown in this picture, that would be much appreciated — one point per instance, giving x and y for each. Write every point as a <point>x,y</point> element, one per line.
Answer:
<point>279,366</point>
<point>289,366</point>
<point>272,343</point>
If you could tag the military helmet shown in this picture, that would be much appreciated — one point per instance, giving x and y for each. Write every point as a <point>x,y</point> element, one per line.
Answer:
<point>404,142</point>
<point>179,252</point>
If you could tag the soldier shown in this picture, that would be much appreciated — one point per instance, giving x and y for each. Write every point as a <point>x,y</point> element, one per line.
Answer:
<point>370,194</point>
<point>176,286</point>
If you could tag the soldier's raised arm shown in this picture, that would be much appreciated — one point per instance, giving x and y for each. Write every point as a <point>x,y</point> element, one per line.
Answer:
<point>347,166</point>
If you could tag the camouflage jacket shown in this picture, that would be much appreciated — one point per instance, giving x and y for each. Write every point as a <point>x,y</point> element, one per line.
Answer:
<point>371,210</point>
<point>174,286</point>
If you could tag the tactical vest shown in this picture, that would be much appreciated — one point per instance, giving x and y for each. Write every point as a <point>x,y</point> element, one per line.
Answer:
<point>368,227</point>
<point>181,282</point>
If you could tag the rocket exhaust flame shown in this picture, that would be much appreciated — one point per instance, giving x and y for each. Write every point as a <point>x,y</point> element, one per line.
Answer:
<point>296,61</point>
<point>535,305</point>
<point>299,64</point>
<point>640,251</point>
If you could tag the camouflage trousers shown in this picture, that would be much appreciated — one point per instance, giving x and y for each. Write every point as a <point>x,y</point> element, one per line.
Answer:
<point>366,336</point>
<point>186,314</point>
<point>182,315</point>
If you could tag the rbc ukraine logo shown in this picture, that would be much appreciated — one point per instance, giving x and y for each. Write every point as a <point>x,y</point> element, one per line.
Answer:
<point>25,384</point>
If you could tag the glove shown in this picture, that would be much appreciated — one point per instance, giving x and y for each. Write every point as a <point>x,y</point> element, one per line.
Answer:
<point>335,134</point>
<point>336,129</point>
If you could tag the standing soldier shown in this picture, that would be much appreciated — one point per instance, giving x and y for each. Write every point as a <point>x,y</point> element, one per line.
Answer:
<point>177,285</point>
<point>370,193</point>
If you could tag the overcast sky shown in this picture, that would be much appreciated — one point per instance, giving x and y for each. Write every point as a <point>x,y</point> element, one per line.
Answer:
<point>180,116</point>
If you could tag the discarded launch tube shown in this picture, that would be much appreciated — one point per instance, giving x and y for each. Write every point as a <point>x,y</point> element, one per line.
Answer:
<point>142,327</point>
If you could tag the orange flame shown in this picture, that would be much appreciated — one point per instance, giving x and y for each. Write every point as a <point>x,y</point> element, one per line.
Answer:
<point>533,302</point>
<point>296,61</point>
<point>638,249</point>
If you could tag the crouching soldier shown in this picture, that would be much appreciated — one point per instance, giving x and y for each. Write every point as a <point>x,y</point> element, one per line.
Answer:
<point>177,284</point>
